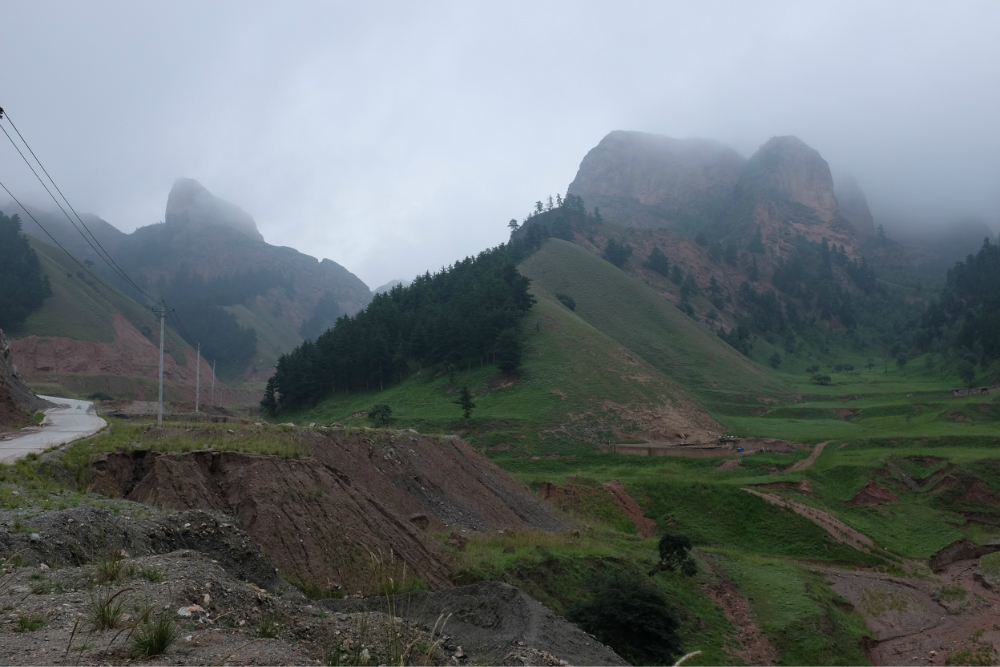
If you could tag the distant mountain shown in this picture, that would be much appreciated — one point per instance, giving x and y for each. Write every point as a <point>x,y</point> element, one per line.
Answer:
<point>389,285</point>
<point>785,190</point>
<point>646,180</point>
<point>246,301</point>
<point>854,205</point>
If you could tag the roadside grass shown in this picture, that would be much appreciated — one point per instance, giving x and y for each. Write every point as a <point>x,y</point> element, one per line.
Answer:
<point>174,437</point>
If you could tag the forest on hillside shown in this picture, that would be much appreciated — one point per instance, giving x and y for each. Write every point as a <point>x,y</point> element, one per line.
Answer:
<point>23,285</point>
<point>468,313</point>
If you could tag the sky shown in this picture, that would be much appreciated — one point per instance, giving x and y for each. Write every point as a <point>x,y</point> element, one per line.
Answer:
<point>395,138</point>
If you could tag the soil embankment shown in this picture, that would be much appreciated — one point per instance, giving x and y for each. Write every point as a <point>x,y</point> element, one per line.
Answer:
<point>360,493</point>
<point>17,402</point>
<point>116,367</point>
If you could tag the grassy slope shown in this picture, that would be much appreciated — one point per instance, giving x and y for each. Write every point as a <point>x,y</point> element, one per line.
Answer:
<point>638,318</point>
<point>563,402</point>
<point>83,309</point>
<point>273,337</point>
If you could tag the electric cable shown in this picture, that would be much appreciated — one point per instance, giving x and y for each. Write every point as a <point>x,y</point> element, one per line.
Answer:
<point>111,265</point>
<point>106,256</point>
<point>65,199</point>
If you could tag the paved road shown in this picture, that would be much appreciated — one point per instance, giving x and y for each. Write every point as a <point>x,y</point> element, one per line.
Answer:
<point>69,421</point>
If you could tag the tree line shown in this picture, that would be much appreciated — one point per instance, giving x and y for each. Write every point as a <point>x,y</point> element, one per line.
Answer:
<point>23,284</point>
<point>467,313</point>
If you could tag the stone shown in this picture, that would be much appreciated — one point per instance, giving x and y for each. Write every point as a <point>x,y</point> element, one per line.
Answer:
<point>509,550</point>
<point>421,521</point>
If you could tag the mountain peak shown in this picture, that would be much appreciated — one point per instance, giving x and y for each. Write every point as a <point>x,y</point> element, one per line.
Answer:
<point>191,203</point>
<point>794,171</point>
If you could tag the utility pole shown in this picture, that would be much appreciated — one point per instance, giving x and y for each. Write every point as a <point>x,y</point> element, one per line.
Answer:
<point>197,382</point>
<point>213,383</point>
<point>162,313</point>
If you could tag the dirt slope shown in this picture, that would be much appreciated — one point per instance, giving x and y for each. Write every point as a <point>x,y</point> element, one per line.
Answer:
<point>16,400</point>
<point>360,493</point>
<point>130,355</point>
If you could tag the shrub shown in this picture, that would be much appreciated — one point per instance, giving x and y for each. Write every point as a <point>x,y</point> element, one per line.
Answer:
<point>155,637</point>
<point>567,301</point>
<point>29,622</point>
<point>631,616</point>
<point>380,413</point>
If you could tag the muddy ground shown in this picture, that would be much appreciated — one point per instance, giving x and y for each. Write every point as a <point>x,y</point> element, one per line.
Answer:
<point>207,579</point>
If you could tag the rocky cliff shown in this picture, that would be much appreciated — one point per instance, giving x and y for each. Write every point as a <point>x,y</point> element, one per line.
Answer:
<point>17,402</point>
<point>647,180</point>
<point>695,185</point>
<point>854,205</point>
<point>189,203</point>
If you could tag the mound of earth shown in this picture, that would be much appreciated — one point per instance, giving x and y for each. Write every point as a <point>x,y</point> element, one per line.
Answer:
<point>204,576</point>
<point>496,621</point>
<point>803,486</point>
<point>84,535</point>
<point>965,490</point>
<point>872,494</point>
<point>17,402</point>
<point>572,497</point>
<point>360,493</point>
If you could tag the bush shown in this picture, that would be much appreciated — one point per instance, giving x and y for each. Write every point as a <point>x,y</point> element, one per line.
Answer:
<point>380,414</point>
<point>567,301</point>
<point>154,638</point>
<point>631,616</point>
<point>617,253</point>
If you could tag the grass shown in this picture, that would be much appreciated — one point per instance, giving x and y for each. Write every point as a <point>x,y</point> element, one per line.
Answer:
<point>107,608</point>
<point>29,622</point>
<point>804,619</point>
<point>155,637</point>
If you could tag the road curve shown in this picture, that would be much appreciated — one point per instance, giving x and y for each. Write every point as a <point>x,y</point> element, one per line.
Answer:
<point>70,420</point>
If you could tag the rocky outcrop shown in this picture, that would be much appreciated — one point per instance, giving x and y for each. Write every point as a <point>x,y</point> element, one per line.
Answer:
<point>189,203</point>
<point>17,402</point>
<point>854,205</point>
<point>784,191</point>
<point>648,180</point>
<point>790,170</point>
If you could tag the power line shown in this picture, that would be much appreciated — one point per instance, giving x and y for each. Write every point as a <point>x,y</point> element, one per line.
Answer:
<point>68,254</point>
<point>56,186</point>
<point>106,256</point>
<point>114,267</point>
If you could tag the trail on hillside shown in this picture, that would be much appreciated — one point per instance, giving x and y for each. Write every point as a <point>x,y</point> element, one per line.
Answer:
<point>837,529</point>
<point>799,466</point>
<point>755,648</point>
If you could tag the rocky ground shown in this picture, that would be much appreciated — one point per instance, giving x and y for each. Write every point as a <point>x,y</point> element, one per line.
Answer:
<point>84,586</point>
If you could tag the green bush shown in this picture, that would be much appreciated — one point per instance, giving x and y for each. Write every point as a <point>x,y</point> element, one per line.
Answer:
<point>631,616</point>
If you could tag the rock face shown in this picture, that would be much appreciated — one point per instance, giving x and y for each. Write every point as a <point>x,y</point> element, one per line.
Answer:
<point>647,180</point>
<point>854,205</point>
<point>190,203</point>
<point>787,168</point>
<point>16,400</point>
<point>784,190</point>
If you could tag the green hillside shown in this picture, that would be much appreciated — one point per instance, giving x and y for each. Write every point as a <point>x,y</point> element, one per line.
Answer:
<point>641,320</point>
<point>274,337</point>
<point>577,388</point>
<point>83,309</point>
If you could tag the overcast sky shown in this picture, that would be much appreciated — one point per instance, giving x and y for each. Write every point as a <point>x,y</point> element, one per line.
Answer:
<point>395,138</point>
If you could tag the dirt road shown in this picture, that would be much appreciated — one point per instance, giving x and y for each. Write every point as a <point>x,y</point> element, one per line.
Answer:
<point>70,420</point>
<point>799,466</point>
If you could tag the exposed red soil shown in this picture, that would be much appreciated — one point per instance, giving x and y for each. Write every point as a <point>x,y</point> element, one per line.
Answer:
<point>935,476</point>
<point>971,490</point>
<point>645,525</point>
<point>130,355</point>
<point>360,493</point>
<point>872,494</point>
<point>755,648</point>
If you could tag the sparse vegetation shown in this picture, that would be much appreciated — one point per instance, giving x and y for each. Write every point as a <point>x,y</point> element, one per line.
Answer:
<point>154,637</point>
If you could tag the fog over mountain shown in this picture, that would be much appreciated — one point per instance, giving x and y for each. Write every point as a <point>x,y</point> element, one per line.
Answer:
<point>394,138</point>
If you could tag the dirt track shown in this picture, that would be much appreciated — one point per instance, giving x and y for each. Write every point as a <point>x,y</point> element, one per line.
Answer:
<point>837,529</point>
<point>799,466</point>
